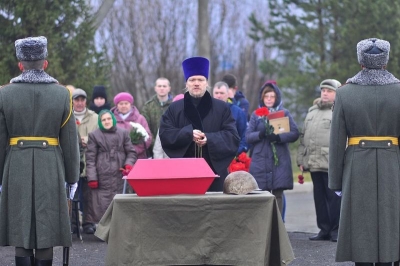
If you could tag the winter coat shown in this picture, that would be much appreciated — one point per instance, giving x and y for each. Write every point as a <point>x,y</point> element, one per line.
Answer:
<point>241,101</point>
<point>241,125</point>
<point>136,117</point>
<point>152,111</point>
<point>211,116</point>
<point>313,150</point>
<point>268,175</point>
<point>107,152</point>
<point>88,124</point>
<point>33,206</point>
<point>368,175</point>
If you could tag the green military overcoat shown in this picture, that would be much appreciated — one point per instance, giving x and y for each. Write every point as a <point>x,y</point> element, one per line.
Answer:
<point>368,174</point>
<point>33,206</point>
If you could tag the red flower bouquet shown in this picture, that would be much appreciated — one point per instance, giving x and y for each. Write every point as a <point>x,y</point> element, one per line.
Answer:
<point>240,163</point>
<point>300,178</point>
<point>263,112</point>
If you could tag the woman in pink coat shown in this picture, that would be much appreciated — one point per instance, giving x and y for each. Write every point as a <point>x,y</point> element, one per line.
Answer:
<point>125,112</point>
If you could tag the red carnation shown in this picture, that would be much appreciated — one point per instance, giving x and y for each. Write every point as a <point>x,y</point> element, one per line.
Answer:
<point>240,163</point>
<point>262,111</point>
<point>77,122</point>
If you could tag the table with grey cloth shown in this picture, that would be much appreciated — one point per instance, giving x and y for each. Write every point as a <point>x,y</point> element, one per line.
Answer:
<point>210,229</point>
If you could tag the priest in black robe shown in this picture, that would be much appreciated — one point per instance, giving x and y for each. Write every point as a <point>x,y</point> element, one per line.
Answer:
<point>199,125</point>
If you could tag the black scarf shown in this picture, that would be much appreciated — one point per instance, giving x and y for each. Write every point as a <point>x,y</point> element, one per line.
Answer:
<point>197,114</point>
<point>97,109</point>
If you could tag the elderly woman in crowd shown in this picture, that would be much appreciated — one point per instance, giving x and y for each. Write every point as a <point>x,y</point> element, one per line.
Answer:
<point>272,170</point>
<point>109,150</point>
<point>125,113</point>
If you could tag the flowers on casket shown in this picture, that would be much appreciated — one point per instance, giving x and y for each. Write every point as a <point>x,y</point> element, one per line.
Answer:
<point>138,133</point>
<point>263,113</point>
<point>240,163</point>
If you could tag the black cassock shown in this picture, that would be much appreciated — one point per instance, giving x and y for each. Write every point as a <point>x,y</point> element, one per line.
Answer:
<point>211,116</point>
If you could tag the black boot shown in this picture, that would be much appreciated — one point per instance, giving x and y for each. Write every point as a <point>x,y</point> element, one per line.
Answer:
<point>43,262</point>
<point>364,264</point>
<point>24,261</point>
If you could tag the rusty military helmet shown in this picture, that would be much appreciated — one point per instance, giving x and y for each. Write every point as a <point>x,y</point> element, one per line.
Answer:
<point>240,183</point>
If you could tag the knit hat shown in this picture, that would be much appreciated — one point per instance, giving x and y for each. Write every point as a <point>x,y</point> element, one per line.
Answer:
<point>102,112</point>
<point>195,66</point>
<point>178,97</point>
<point>373,53</point>
<point>99,91</point>
<point>123,96</point>
<point>240,183</point>
<point>331,84</point>
<point>31,48</point>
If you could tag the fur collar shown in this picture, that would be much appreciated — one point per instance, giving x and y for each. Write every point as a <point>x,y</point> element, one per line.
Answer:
<point>34,76</point>
<point>322,105</point>
<point>196,115</point>
<point>373,77</point>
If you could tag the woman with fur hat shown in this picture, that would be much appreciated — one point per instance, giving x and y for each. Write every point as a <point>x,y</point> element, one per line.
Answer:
<point>99,99</point>
<point>271,176</point>
<point>125,112</point>
<point>109,149</point>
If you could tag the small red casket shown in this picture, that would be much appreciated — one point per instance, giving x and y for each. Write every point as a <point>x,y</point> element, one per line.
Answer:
<point>152,177</point>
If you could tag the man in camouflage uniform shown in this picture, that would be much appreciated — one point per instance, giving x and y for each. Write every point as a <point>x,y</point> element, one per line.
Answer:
<point>156,106</point>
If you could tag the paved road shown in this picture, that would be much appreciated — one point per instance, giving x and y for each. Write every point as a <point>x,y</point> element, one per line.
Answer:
<point>300,224</point>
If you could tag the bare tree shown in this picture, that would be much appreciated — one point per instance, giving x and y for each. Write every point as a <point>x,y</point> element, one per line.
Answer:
<point>149,39</point>
<point>102,12</point>
<point>202,31</point>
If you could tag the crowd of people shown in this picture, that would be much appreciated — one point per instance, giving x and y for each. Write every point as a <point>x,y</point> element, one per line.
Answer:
<point>348,143</point>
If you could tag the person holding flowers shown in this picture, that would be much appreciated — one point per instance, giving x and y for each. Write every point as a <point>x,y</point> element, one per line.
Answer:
<point>125,113</point>
<point>109,150</point>
<point>271,164</point>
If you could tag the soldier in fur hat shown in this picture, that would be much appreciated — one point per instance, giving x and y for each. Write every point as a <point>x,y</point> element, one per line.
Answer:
<point>38,154</point>
<point>364,160</point>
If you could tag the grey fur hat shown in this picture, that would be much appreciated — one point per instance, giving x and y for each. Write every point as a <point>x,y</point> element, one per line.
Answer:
<point>240,183</point>
<point>373,53</point>
<point>31,48</point>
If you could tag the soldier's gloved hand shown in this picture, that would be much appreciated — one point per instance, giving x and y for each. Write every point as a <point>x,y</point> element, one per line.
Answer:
<point>93,184</point>
<point>72,190</point>
<point>273,138</point>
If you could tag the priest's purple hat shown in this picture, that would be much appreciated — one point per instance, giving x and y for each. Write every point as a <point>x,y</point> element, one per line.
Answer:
<point>195,66</point>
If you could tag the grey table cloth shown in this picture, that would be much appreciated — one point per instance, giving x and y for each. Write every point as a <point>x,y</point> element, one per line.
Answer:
<point>210,229</point>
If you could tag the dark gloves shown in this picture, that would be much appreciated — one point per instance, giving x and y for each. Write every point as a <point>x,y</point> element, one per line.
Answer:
<point>93,184</point>
<point>261,134</point>
<point>273,138</point>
